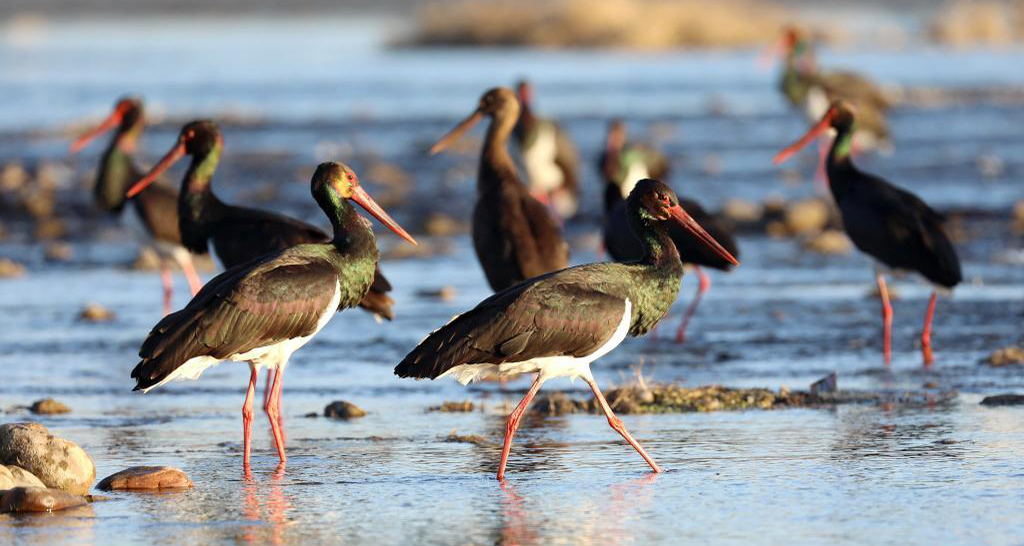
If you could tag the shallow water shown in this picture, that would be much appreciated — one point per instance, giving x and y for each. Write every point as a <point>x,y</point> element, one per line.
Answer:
<point>947,472</point>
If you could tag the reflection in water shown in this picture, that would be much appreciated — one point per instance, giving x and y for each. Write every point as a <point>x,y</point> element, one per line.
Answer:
<point>72,526</point>
<point>271,516</point>
<point>603,517</point>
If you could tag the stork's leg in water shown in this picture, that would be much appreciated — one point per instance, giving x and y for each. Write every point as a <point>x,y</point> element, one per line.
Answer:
<point>926,334</point>
<point>165,278</point>
<point>513,424</point>
<point>616,424</point>
<point>883,293</point>
<point>247,418</point>
<point>273,408</point>
<point>705,284</point>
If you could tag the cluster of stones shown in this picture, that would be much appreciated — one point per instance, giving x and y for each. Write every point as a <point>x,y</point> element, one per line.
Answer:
<point>40,472</point>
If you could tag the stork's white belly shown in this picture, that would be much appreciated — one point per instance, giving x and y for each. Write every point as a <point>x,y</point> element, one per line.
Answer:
<point>271,356</point>
<point>539,161</point>
<point>548,367</point>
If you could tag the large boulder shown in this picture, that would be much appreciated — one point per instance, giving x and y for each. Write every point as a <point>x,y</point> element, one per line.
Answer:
<point>145,478</point>
<point>15,476</point>
<point>38,499</point>
<point>57,462</point>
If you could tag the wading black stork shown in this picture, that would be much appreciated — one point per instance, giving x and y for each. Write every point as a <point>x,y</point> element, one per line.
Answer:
<point>238,234</point>
<point>155,208</point>
<point>265,309</point>
<point>888,223</point>
<point>514,235</point>
<point>812,90</point>
<point>623,165</point>
<point>549,157</point>
<point>556,324</point>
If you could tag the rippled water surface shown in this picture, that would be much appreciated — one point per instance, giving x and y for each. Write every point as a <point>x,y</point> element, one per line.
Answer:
<point>941,473</point>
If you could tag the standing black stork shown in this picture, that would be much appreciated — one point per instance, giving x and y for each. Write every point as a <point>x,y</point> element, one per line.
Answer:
<point>514,235</point>
<point>556,324</point>
<point>812,90</point>
<point>623,165</point>
<point>549,157</point>
<point>890,224</point>
<point>265,309</point>
<point>156,208</point>
<point>239,234</point>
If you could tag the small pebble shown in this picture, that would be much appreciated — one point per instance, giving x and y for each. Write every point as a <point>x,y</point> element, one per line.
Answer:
<point>48,406</point>
<point>453,407</point>
<point>58,252</point>
<point>474,439</point>
<point>445,293</point>
<point>830,241</point>
<point>10,268</point>
<point>343,410</point>
<point>1007,356</point>
<point>94,312</point>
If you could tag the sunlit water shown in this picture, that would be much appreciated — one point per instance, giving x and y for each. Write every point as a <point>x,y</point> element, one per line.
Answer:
<point>945,473</point>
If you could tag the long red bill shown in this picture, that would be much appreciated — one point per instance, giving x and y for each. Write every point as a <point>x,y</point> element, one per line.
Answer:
<point>812,133</point>
<point>113,120</point>
<point>176,153</point>
<point>360,196</point>
<point>691,225</point>
<point>457,132</point>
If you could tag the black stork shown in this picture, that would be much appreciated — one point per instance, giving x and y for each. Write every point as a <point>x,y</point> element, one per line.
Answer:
<point>556,324</point>
<point>514,235</point>
<point>623,164</point>
<point>549,157</point>
<point>156,208</point>
<point>239,234</point>
<point>265,309</point>
<point>812,90</point>
<point>890,224</point>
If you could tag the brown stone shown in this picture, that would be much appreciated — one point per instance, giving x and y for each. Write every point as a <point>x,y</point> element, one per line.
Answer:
<point>57,462</point>
<point>14,476</point>
<point>94,312</point>
<point>343,410</point>
<point>807,216</point>
<point>38,499</point>
<point>48,406</point>
<point>10,268</point>
<point>146,478</point>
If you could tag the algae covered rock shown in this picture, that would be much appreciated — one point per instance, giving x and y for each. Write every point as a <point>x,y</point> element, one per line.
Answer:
<point>57,462</point>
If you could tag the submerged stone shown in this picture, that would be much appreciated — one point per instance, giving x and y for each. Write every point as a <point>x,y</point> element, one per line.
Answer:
<point>1007,356</point>
<point>1003,400</point>
<point>453,407</point>
<point>38,499</point>
<point>145,478</point>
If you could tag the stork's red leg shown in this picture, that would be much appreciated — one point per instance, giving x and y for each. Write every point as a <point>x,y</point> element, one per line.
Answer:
<point>165,277</point>
<point>926,334</point>
<point>883,292</point>
<point>273,409</point>
<point>705,284</point>
<point>247,417</point>
<point>268,389</point>
<point>513,424</point>
<point>194,282</point>
<point>616,424</point>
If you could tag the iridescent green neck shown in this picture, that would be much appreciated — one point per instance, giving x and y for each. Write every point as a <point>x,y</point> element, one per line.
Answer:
<point>200,172</point>
<point>842,144</point>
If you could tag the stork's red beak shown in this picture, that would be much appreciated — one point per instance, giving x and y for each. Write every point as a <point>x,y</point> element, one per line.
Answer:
<point>360,196</point>
<point>812,133</point>
<point>457,132</point>
<point>176,153</point>
<point>113,120</point>
<point>686,221</point>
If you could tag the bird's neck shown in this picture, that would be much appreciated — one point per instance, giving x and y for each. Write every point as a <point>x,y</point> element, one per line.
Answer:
<point>200,171</point>
<point>838,163</point>
<point>198,208</point>
<point>495,162</point>
<point>353,235</point>
<point>659,250</point>
<point>612,196</point>
<point>117,169</point>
